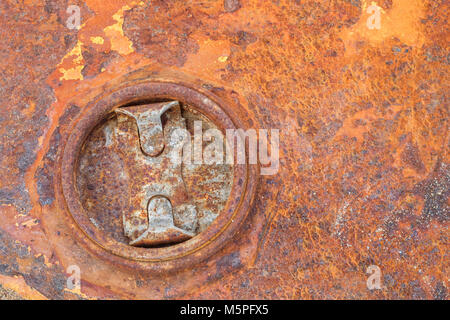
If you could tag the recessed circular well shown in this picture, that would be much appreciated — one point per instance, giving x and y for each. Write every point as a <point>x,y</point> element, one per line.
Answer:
<point>96,195</point>
<point>103,180</point>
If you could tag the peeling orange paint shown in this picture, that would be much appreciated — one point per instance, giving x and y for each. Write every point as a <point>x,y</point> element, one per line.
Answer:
<point>119,42</point>
<point>75,59</point>
<point>97,40</point>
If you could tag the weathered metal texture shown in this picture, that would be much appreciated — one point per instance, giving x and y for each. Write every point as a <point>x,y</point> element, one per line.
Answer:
<point>135,88</point>
<point>145,148</point>
<point>116,177</point>
<point>364,168</point>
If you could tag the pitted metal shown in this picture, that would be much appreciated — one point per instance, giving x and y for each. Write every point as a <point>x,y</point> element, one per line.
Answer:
<point>148,120</point>
<point>160,210</point>
<point>161,228</point>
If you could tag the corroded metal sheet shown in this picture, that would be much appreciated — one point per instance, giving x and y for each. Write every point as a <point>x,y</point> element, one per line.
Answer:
<point>358,90</point>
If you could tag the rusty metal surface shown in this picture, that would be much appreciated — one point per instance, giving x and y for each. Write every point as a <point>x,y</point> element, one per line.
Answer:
<point>132,90</point>
<point>364,169</point>
<point>116,177</point>
<point>137,140</point>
